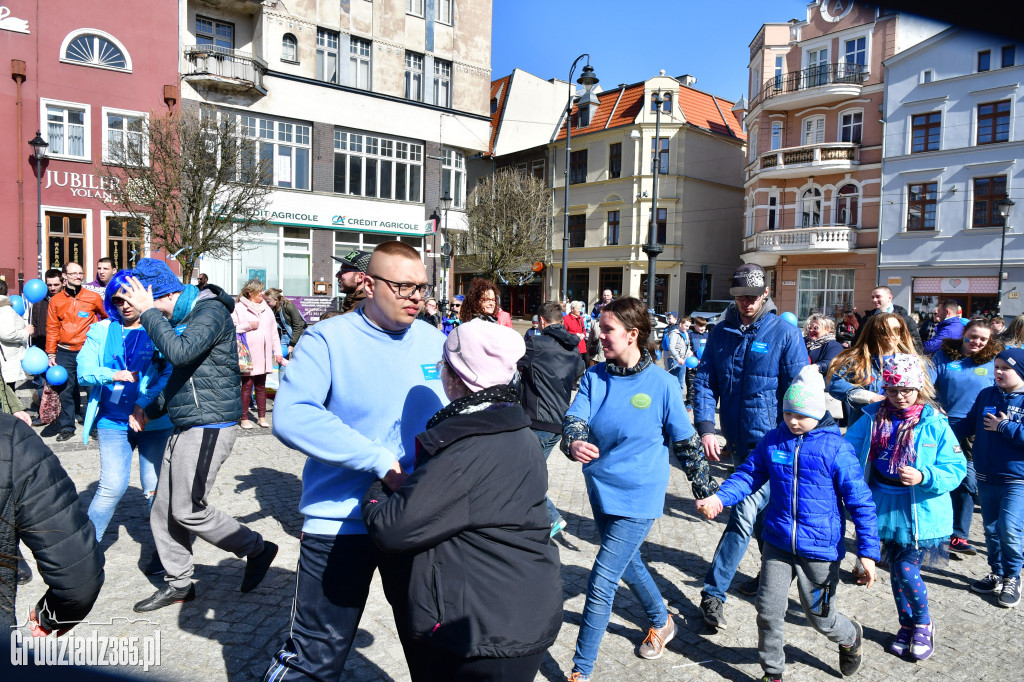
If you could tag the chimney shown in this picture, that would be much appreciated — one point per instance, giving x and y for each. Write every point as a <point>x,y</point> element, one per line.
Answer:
<point>687,80</point>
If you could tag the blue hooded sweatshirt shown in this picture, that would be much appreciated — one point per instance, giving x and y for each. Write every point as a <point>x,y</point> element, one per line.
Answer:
<point>998,455</point>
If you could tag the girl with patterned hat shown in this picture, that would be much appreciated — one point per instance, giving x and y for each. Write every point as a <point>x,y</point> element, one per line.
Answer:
<point>911,462</point>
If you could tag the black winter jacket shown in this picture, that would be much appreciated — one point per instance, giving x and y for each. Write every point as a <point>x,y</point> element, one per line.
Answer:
<point>205,386</point>
<point>549,368</point>
<point>472,524</point>
<point>39,505</point>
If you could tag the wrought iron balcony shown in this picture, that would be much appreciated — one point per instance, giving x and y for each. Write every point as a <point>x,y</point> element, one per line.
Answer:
<point>224,69</point>
<point>797,161</point>
<point>813,85</point>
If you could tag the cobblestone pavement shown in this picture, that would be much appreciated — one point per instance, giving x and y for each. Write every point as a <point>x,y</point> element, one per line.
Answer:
<point>226,635</point>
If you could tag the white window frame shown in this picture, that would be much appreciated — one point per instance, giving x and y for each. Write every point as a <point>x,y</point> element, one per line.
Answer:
<point>87,124</point>
<point>414,76</point>
<point>664,150</point>
<point>278,135</point>
<point>805,128</point>
<point>324,50</point>
<point>778,71</point>
<point>776,139</point>
<point>453,176</point>
<point>842,125</point>
<point>751,215</point>
<point>289,42</point>
<point>867,50</point>
<point>360,57</point>
<point>108,111</point>
<point>752,140</point>
<point>773,210</point>
<point>74,35</point>
<point>445,14</point>
<point>803,314</point>
<point>215,22</point>
<point>415,7</point>
<point>807,209</point>
<point>374,150</point>
<point>443,82</point>
<point>844,202</point>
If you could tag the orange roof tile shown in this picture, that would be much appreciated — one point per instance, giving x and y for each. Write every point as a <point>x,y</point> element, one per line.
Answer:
<point>499,89</point>
<point>599,119</point>
<point>700,110</point>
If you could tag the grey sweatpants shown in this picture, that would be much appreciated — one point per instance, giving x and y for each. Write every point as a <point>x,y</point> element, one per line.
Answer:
<point>816,583</point>
<point>191,462</point>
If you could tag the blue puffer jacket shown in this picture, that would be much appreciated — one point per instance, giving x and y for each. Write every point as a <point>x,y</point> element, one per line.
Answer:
<point>808,474</point>
<point>998,455</point>
<point>950,328</point>
<point>748,372</point>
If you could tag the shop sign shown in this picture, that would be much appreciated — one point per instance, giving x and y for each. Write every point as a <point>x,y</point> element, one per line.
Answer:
<point>344,213</point>
<point>85,185</point>
<point>894,281</point>
<point>955,285</point>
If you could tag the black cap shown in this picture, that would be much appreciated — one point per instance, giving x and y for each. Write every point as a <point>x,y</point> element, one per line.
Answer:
<point>748,280</point>
<point>356,261</point>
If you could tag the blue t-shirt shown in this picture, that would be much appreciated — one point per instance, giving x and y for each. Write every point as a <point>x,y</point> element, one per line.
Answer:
<point>117,400</point>
<point>883,460</point>
<point>958,383</point>
<point>633,420</point>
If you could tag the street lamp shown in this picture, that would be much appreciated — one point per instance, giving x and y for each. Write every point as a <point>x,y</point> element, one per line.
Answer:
<point>652,248</point>
<point>588,79</point>
<point>1004,206</point>
<point>436,219</point>
<point>39,146</point>
<point>446,252</point>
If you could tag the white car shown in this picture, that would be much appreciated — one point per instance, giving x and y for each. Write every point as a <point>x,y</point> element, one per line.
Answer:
<point>711,310</point>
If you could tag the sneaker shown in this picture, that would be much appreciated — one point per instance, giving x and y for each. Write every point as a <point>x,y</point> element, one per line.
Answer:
<point>154,566</point>
<point>749,588</point>
<point>577,677</point>
<point>850,657</point>
<point>901,644</point>
<point>66,434</point>
<point>923,645</point>
<point>1010,594</point>
<point>713,610</point>
<point>987,585</point>
<point>961,546</point>
<point>768,677</point>
<point>557,527</point>
<point>257,565</point>
<point>657,638</point>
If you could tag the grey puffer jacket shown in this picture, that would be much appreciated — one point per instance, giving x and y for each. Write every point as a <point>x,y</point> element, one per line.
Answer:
<point>206,385</point>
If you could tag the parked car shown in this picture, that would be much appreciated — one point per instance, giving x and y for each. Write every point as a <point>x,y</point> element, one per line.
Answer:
<point>711,310</point>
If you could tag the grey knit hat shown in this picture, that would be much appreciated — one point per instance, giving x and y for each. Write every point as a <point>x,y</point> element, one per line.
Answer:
<point>806,395</point>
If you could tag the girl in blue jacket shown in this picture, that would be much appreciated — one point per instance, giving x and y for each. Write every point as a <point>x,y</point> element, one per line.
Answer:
<point>911,462</point>
<point>996,421</point>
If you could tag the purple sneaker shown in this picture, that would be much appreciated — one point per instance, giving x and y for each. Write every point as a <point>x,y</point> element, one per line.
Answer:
<point>901,644</point>
<point>923,645</point>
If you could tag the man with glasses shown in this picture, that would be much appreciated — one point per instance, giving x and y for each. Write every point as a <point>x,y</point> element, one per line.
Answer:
<point>69,315</point>
<point>351,280</point>
<point>751,358</point>
<point>452,320</point>
<point>359,389</point>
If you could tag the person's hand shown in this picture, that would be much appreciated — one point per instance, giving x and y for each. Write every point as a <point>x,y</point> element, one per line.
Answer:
<point>23,416</point>
<point>910,475</point>
<point>34,627</point>
<point>710,507</point>
<point>584,452</point>
<point>254,324</point>
<point>279,359</point>
<point>125,375</point>
<point>290,349</point>
<point>394,478</point>
<point>137,420</point>
<point>993,420</point>
<point>867,578</point>
<point>30,329</point>
<point>140,297</point>
<point>712,450</point>
<point>53,361</point>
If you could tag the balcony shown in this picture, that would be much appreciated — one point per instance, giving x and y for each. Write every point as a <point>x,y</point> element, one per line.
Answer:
<point>814,85</point>
<point>767,246</point>
<point>228,70</point>
<point>812,159</point>
<point>243,6</point>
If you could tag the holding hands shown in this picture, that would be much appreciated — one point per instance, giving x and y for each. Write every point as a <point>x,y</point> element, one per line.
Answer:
<point>710,507</point>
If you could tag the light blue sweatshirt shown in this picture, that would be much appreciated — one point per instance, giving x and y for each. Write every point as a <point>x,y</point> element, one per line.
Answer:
<point>353,399</point>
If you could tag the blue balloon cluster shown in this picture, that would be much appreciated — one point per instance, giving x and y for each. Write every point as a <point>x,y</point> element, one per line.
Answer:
<point>35,361</point>
<point>791,318</point>
<point>34,290</point>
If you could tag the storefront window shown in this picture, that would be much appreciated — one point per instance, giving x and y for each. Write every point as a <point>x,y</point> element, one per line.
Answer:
<point>824,291</point>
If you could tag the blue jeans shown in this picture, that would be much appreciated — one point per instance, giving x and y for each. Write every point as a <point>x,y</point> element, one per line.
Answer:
<point>1002,512</point>
<point>116,447</point>
<point>548,440</point>
<point>679,372</point>
<point>733,544</point>
<point>963,499</point>
<point>618,558</point>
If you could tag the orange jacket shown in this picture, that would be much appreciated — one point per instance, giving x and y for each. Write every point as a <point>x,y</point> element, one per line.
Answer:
<point>68,319</point>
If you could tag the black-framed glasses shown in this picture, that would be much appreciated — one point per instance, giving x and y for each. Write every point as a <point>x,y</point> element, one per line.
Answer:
<point>894,391</point>
<point>406,289</point>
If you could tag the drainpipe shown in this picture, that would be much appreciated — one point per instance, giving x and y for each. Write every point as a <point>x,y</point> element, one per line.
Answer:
<point>18,74</point>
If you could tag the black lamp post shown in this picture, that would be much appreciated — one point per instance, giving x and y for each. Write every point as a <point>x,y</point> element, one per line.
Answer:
<point>446,252</point>
<point>652,248</point>
<point>436,218</point>
<point>588,79</point>
<point>1004,206</point>
<point>39,146</point>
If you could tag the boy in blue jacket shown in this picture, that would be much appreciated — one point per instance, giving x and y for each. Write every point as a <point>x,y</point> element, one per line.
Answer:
<point>808,465</point>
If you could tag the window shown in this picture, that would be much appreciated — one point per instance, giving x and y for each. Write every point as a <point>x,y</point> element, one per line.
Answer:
<point>751,144</point>
<point>921,206</point>
<point>537,169</point>
<point>925,132</point>
<point>776,135</point>
<point>1009,55</point>
<point>610,278</point>
<point>442,83</point>
<point>773,211</point>
<point>65,239</point>
<point>662,224</point>
<point>124,242</point>
<point>824,291</point>
<point>777,81</point>
<point>444,11</point>
<point>577,230</point>
<point>67,130</point>
<point>326,56</point>
<point>289,49</point>
<point>850,126</point>
<point>414,76</point>
<point>583,116</point>
<point>928,76</point>
<point>613,228</point>
<point>994,122</point>
<point>414,7</point>
<point>662,156</point>
<point>577,167</point>
<point>984,60</point>
<point>283,148</point>
<point>494,105</point>
<point>810,208</point>
<point>615,160</point>
<point>453,176</point>
<point>856,51</point>
<point>817,67</point>
<point>666,104</point>
<point>751,215</point>
<point>124,137</point>
<point>360,56</point>
<point>216,33</point>
<point>372,166</point>
<point>987,193</point>
<point>578,282</point>
<point>848,206</point>
<point>91,49</point>
<point>814,130</point>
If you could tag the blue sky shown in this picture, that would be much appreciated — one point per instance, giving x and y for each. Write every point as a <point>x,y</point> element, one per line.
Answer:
<point>631,40</point>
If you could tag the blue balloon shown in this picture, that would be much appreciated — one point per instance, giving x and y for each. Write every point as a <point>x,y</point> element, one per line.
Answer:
<point>18,303</point>
<point>691,362</point>
<point>56,375</point>
<point>700,348</point>
<point>791,318</point>
<point>35,361</point>
<point>34,290</point>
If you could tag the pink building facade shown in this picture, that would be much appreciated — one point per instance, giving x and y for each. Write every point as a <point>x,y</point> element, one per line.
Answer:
<point>86,76</point>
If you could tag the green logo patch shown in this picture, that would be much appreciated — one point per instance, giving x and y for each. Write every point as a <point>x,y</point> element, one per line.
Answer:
<point>641,401</point>
<point>981,371</point>
<point>797,396</point>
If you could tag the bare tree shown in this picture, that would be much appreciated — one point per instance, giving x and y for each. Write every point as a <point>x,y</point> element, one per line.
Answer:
<point>193,178</point>
<point>509,225</point>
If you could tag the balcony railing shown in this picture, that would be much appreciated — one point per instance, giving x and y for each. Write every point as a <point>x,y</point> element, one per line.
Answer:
<point>813,77</point>
<point>797,160</point>
<point>829,238</point>
<point>232,69</point>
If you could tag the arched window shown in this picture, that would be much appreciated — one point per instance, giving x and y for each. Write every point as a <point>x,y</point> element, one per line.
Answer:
<point>91,47</point>
<point>811,208</point>
<point>848,206</point>
<point>289,48</point>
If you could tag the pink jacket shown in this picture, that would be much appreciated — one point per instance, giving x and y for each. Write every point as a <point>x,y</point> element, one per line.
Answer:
<point>264,343</point>
<point>504,319</point>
